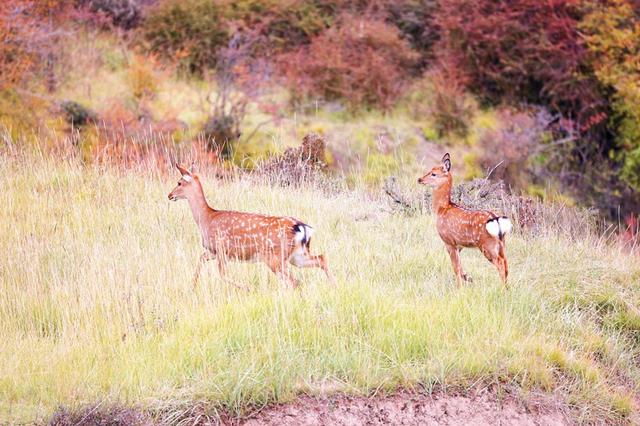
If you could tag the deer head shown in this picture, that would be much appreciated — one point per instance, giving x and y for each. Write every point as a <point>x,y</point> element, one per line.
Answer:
<point>186,187</point>
<point>439,175</point>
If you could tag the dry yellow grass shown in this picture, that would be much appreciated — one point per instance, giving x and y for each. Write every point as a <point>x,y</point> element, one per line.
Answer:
<point>96,303</point>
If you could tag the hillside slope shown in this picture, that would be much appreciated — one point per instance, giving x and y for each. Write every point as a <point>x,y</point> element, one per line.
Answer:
<point>96,303</point>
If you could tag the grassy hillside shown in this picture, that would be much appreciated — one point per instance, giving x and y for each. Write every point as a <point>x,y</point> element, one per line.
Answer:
<point>96,303</point>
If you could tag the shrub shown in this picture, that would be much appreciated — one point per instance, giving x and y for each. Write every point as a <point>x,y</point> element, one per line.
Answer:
<point>221,132</point>
<point>125,14</point>
<point>297,165</point>
<point>142,77</point>
<point>238,80</point>
<point>415,20</point>
<point>575,57</point>
<point>612,32</point>
<point>76,114</point>
<point>506,151</point>
<point>361,61</point>
<point>186,31</point>
<point>20,115</point>
<point>523,50</point>
<point>27,37</point>
<point>285,24</point>
<point>440,97</point>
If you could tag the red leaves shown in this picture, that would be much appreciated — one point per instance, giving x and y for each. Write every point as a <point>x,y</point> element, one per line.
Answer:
<point>521,50</point>
<point>361,60</point>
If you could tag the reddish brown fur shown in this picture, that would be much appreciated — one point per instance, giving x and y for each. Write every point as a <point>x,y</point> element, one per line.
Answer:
<point>244,236</point>
<point>459,227</point>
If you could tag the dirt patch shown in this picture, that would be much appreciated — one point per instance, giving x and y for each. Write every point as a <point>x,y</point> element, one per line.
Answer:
<point>404,408</point>
<point>480,407</point>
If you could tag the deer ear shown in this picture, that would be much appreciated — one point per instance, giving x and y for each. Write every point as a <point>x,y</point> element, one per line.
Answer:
<point>446,162</point>
<point>183,171</point>
<point>193,168</point>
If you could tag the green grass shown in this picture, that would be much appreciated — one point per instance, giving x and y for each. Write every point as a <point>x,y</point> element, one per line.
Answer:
<point>96,303</point>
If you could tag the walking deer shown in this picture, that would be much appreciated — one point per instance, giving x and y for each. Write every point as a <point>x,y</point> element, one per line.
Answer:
<point>246,236</point>
<point>459,227</point>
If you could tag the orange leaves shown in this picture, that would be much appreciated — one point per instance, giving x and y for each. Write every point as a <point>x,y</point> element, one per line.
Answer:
<point>361,60</point>
<point>26,33</point>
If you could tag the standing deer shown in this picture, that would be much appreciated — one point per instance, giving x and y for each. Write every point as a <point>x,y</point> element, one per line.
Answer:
<point>246,236</point>
<point>459,227</point>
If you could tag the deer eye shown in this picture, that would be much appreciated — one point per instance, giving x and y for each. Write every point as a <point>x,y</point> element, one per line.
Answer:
<point>179,182</point>
<point>433,174</point>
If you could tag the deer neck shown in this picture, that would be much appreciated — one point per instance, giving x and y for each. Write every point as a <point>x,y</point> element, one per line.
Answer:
<point>199,206</point>
<point>441,199</point>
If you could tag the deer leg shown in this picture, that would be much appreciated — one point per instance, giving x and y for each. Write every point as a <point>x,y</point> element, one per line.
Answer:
<point>464,275</point>
<point>282,271</point>
<point>494,252</point>
<point>204,257</point>
<point>222,270</point>
<point>454,253</point>
<point>303,259</point>
<point>505,267</point>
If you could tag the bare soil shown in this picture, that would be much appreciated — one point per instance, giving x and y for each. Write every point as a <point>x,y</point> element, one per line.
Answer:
<point>480,407</point>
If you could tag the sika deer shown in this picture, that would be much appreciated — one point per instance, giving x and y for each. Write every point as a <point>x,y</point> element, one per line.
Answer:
<point>459,227</point>
<point>246,236</point>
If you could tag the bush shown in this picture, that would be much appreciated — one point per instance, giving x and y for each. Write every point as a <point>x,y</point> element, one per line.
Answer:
<point>361,61</point>
<point>523,50</point>
<point>125,14</point>
<point>296,166</point>
<point>415,20</point>
<point>506,151</point>
<point>284,24</point>
<point>27,38</point>
<point>577,58</point>
<point>440,96</point>
<point>186,31</point>
<point>77,115</point>
<point>612,33</point>
<point>238,80</point>
<point>142,77</point>
<point>221,132</point>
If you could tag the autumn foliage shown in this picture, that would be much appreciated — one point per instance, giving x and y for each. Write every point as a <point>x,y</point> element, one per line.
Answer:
<point>361,61</point>
<point>612,33</point>
<point>453,59</point>
<point>23,38</point>
<point>523,51</point>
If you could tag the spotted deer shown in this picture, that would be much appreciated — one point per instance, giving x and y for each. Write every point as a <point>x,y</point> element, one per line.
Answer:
<point>231,235</point>
<point>459,227</point>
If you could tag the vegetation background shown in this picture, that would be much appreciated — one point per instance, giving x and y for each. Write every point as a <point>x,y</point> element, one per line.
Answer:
<point>538,102</point>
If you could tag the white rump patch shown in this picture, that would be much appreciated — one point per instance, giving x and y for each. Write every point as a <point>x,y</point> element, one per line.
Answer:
<point>499,226</point>
<point>303,233</point>
<point>505,225</point>
<point>493,227</point>
<point>187,178</point>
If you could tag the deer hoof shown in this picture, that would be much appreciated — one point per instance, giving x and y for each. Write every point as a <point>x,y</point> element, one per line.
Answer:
<point>467,278</point>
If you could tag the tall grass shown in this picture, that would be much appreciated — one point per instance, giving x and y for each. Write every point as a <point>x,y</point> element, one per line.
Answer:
<point>96,303</point>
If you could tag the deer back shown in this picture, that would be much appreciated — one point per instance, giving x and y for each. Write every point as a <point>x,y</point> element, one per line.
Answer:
<point>461,227</point>
<point>249,236</point>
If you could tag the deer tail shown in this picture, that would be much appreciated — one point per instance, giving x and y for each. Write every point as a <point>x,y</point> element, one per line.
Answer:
<point>302,233</point>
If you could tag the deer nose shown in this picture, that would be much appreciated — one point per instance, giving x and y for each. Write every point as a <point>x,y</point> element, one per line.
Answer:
<point>419,180</point>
